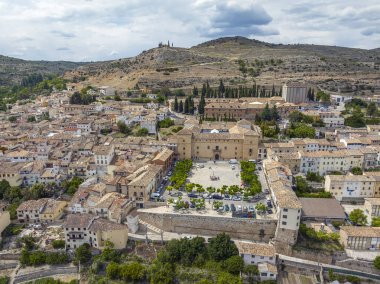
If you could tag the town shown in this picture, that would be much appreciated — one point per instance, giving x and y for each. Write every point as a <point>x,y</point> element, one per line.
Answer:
<point>290,175</point>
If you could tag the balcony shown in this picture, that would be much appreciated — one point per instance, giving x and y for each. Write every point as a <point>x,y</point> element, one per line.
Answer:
<point>217,150</point>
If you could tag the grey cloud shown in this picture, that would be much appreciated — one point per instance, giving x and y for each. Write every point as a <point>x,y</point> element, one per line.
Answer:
<point>63,34</point>
<point>63,49</point>
<point>371,31</point>
<point>236,20</point>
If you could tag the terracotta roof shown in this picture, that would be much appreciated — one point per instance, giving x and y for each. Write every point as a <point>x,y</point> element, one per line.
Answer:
<point>354,231</point>
<point>261,249</point>
<point>106,225</point>
<point>322,208</point>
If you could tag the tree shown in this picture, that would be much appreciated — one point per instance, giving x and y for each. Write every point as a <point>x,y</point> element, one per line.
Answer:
<point>142,132</point>
<point>180,108</point>
<point>221,247</point>
<point>234,264</point>
<point>112,270</point>
<point>261,207</point>
<point>204,90</point>
<point>123,128</point>
<point>57,244</point>
<point>227,278</point>
<point>37,191</point>
<point>187,106</point>
<point>358,217</point>
<point>222,89</point>
<point>162,273</point>
<point>375,222</point>
<point>117,98</point>
<point>357,171</point>
<point>356,120</point>
<point>376,262</point>
<point>12,119</point>
<point>274,113</point>
<point>266,114</point>
<point>323,97</point>
<point>372,109</point>
<point>176,104</point>
<point>295,116</point>
<point>4,187</point>
<point>83,253</point>
<point>195,91</point>
<point>31,118</point>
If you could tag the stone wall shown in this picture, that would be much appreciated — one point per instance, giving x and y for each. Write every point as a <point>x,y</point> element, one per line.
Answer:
<point>248,229</point>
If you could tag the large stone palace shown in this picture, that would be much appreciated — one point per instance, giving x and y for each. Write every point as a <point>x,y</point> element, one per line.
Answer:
<point>218,140</point>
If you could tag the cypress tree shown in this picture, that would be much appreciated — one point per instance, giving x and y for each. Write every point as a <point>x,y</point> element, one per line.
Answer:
<point>180,108</point>
<point>176,104</point>
<point>204,89</point>
<point>195,91</point>
<point>186,107</point>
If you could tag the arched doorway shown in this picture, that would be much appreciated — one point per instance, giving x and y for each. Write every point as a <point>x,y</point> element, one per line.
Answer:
<point>216,157</point>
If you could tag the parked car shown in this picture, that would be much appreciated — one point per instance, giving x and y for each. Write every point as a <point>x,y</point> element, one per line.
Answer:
<point>155,195</point>
<point>236,198</point>
<point>239,208</point>
<point>233,167</point>
<point>221,209</point>
<point>217,196</point>
<point>192,195</point>
<point>192,205</point>
<point>169,173</point>
<point>270,211</point>
<point>206,196</point>
<point>233,208</point>
<point>226,207</point>
<point>251,208</point>
<point>269,204</point>
<point>245,209</point>
<point>227,197</point>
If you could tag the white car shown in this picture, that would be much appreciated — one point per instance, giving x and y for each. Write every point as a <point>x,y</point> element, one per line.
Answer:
<point>166,178</point>
<point>233,167</point>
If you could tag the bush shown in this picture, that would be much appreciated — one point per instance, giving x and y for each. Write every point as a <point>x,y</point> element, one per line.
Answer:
<point>166,123</point>
<point>57,244</point>
<point>376,262</point>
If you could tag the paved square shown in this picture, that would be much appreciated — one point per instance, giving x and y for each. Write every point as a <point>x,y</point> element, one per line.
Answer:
<point>221,169</point>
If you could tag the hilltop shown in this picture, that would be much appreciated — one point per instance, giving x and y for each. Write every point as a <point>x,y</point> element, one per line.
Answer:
<point>12,70</point>
<point>239,60</point>
<point>235,60</point>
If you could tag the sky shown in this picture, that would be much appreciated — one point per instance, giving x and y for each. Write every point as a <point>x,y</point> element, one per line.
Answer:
<point>93,30</point>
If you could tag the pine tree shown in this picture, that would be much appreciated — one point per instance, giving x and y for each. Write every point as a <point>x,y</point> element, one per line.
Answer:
<point>176,104</point>
<point>180,108</point>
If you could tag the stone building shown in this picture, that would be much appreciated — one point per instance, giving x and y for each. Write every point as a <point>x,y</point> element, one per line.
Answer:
<point>294,93</point>
<point>219,141</point>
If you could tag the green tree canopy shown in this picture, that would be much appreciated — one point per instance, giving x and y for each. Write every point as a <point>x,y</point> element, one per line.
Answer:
<point>358,217</point>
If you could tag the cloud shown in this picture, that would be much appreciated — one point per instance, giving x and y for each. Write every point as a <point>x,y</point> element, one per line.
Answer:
<point>232,19</point>
<point>80,30</point>
<point>63,34</point>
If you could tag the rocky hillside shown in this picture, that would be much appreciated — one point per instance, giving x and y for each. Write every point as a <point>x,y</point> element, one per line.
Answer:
<point>238,60</point>
<point>12,70</point>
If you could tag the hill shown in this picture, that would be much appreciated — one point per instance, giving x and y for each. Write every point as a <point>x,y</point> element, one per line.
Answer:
<point>239,60</point>
<point>12,70</point>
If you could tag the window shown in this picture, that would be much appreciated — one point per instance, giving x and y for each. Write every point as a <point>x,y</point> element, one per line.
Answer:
<point>285,209</point>
<point>283,223</point>
<point>285,216</point>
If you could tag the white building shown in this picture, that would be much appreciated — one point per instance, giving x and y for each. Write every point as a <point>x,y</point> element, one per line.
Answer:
<point>84,228</point>
<point>350,186</point>
<point>104,154</point>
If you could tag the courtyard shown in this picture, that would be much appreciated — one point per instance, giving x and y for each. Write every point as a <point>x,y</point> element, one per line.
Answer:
<point>222,171</point>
